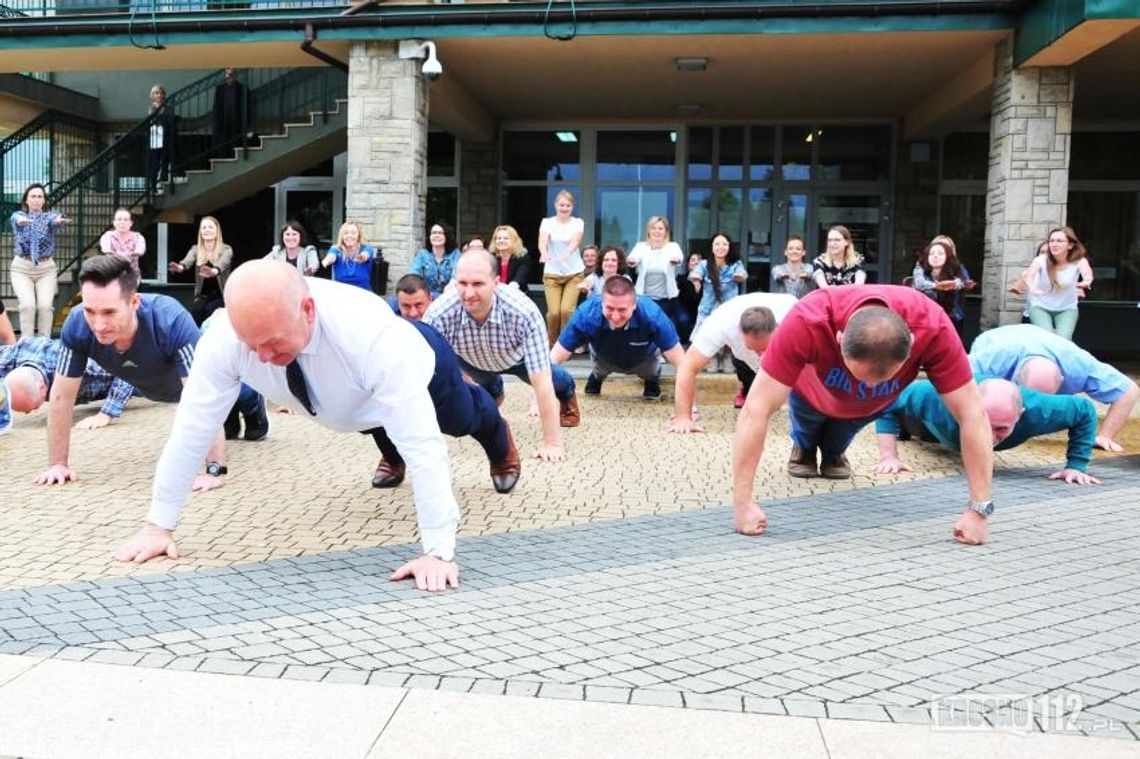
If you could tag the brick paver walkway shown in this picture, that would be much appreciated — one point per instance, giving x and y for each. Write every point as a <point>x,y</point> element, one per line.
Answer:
<point>615,577</point>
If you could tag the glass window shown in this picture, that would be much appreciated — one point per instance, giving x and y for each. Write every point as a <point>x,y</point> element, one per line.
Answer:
<point>443,205</point>
<point>698,219</point>
<point>854,152</point>
<point>1105,155</point>
<point>624,211</point>
<point>700,153</point>
<point>758,247</point>
<point>797,152</point>
<point>731,153</point>
<point>440,155</point>
<point>1108,223</point>
<point>963,219</point>
<point>966,155</point>
<point>762,157</point>
<point>637,156</point>
<point>549,156</point>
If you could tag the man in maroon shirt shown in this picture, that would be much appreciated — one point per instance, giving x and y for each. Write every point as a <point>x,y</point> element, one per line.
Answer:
<point>840,358</point>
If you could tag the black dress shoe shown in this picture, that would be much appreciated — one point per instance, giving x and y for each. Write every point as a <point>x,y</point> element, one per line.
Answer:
<point>232,425</point>
<point>388,475</point>
<point>257,423</point>
<point>505,474</point>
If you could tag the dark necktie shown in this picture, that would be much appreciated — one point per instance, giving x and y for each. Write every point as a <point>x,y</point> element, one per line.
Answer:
<point>296,379</point>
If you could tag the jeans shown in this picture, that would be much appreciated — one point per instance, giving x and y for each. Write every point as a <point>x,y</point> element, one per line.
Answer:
<point>1063,323</point>
<point>35,288</point>
<point>811,429</point>
<point>492,382</point>
<point>461,408</point>
<point>561,300</point>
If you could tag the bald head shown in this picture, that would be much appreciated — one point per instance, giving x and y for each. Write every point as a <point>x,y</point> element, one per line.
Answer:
<point>27,389</point>
<point>1041,374</point>
<point>476,258</point>
<point>1002,401</point>
<point>271,309</point>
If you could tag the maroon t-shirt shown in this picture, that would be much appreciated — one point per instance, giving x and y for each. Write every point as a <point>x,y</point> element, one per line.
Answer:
<point>805,355</point>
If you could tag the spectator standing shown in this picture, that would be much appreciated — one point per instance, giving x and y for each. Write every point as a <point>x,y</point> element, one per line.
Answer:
<point>34,272</point>
<point>1056,281</point>
<point>351,258</point>
<point>559,238</point>
<point>212,260</point>
<point>793,277</point>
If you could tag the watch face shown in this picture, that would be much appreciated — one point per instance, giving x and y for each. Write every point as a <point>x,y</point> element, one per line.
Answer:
<point>985,508</point>
<point>214,469</point>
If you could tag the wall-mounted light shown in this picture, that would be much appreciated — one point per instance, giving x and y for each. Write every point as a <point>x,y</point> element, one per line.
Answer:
<point>813,136</point>
<point>691,64</point>
<point>566,136</point>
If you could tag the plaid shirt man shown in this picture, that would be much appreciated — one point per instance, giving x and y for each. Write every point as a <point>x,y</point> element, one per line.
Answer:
<point>42,354</point>
<point>514,332</point>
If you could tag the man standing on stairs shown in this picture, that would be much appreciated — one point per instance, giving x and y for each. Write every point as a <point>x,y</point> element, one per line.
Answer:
<point>231,114</point>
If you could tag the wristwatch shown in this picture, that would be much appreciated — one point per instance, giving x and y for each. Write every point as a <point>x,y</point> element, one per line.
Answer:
<point>215,469</point>
<point>985,508</point>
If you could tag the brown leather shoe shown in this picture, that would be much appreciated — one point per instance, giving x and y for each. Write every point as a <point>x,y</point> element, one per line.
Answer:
<point>388,475</point>
<point>569,416</point>
<point>505,474</point>
<point>835,468</point>
<point>802,462</point>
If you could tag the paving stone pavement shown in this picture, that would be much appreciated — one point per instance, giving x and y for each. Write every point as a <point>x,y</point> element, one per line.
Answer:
<point>856,604</point>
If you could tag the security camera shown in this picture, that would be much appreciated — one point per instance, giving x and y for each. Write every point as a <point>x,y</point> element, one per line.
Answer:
<point>432,68</point>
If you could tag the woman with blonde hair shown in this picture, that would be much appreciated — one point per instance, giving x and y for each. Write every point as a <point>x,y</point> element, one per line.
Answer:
<point>351,258</point>
<point>1057,279</point>
<point>656,259</point>
<point>513,258</point>
<point>840,263</point>
<point>559,238</point>
<point>212,260</point>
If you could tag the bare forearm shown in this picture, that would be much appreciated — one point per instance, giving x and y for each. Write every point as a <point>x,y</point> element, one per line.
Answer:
<point>978,456</point>
<point>59,431</point>
<point>548,413</point>
<point>747,450</point>
<point>1118,413</point>
<point>888,446</point>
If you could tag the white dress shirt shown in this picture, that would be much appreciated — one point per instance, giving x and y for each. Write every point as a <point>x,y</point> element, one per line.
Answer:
<point>365,367</point>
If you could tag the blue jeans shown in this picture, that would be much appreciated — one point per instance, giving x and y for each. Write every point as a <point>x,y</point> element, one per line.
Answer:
<point>460,407</point>
<point>811,429</point>
<point>492,382</point>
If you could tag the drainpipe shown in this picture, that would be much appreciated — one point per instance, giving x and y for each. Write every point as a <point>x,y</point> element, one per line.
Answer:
<point>321,55</point>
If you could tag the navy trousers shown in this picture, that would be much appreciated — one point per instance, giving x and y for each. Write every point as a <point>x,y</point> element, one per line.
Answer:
<point>461,408</point>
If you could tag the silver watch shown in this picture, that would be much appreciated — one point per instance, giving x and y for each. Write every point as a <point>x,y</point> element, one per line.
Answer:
<point>985,508</point>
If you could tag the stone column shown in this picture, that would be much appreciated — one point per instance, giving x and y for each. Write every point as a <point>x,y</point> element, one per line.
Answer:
<point>1028,185</point>
<point>387,150</point>
<point>478,188</point>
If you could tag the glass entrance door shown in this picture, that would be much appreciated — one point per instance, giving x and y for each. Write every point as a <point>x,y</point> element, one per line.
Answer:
<point>865,217</point>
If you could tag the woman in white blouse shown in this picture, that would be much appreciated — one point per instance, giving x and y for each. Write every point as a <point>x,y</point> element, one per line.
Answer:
<point>559,238</point>
<point>656,259</point>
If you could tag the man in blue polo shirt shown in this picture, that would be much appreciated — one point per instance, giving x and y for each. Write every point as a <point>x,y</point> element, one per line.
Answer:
<point>627,332</point>
<point>1015,414</point>
<point>146,340</point>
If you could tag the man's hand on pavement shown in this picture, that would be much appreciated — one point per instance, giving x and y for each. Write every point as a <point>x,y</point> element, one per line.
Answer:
<point>1074,477</point>
<point>56,474</point>
<point>684,426</point>
<point>891,465</point>
<point>1108,444</point>
<point>204,482</point>
<point>750,520</point>
<point>551,453</point>
<point>93,422</point>
<point>430,573</point>
<point>147,543</point>
<point>971,528</point>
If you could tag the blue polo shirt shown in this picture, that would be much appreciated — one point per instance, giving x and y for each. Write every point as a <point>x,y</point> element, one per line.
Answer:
<point>158,358</point>
<point>1042,414</point>
<point>647,331</point>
